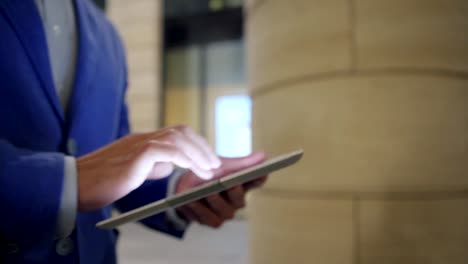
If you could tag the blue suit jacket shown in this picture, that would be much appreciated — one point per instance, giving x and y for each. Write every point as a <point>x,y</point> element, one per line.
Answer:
<point>34,131</point>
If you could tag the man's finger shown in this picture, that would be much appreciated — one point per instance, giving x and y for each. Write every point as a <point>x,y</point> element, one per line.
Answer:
<point>205,215</point>
<point>202,144</point>
<point>255,183</point>
<point>161,170</point>
<point>188,214</point>
<point>231,165</point>
<point>189,147</point>
<point>222,208</point>
<point>156,151</point>
<point>236,196</point>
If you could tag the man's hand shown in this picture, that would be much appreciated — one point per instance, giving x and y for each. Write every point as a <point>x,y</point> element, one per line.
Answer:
<point>217,208</point>
<point>115,170</point>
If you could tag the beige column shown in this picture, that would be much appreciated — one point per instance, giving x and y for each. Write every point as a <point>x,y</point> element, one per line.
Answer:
<point>376,92</point>
<point>139,24</point>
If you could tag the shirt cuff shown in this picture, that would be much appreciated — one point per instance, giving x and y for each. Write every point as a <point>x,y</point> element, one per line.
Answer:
<point>177,222</point>
<point>68,203</point>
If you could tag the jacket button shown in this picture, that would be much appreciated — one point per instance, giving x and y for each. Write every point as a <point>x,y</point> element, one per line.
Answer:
<point>12,248</point>
<point>64,246</point>
<point>72,147</point>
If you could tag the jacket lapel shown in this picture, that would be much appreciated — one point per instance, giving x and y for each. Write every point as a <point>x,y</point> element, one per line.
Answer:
<point>25,20</point>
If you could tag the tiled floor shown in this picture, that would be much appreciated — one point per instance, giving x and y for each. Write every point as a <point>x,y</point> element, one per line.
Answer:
<point>201,245</point>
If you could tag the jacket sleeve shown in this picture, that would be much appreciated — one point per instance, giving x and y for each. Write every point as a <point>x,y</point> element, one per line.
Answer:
<point>31,187</point>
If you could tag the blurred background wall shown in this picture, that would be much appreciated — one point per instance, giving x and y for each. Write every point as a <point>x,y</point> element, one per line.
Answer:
<point>375,91</point>
<point>140,26</point>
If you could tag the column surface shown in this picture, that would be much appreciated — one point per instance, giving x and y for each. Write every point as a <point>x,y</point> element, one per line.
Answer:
<point>376,93</point>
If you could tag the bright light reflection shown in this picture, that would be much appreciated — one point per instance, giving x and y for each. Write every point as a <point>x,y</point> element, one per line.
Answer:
<point>233,134</point>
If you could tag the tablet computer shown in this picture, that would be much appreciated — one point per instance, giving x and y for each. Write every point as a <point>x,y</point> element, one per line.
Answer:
<point>204,190</point>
